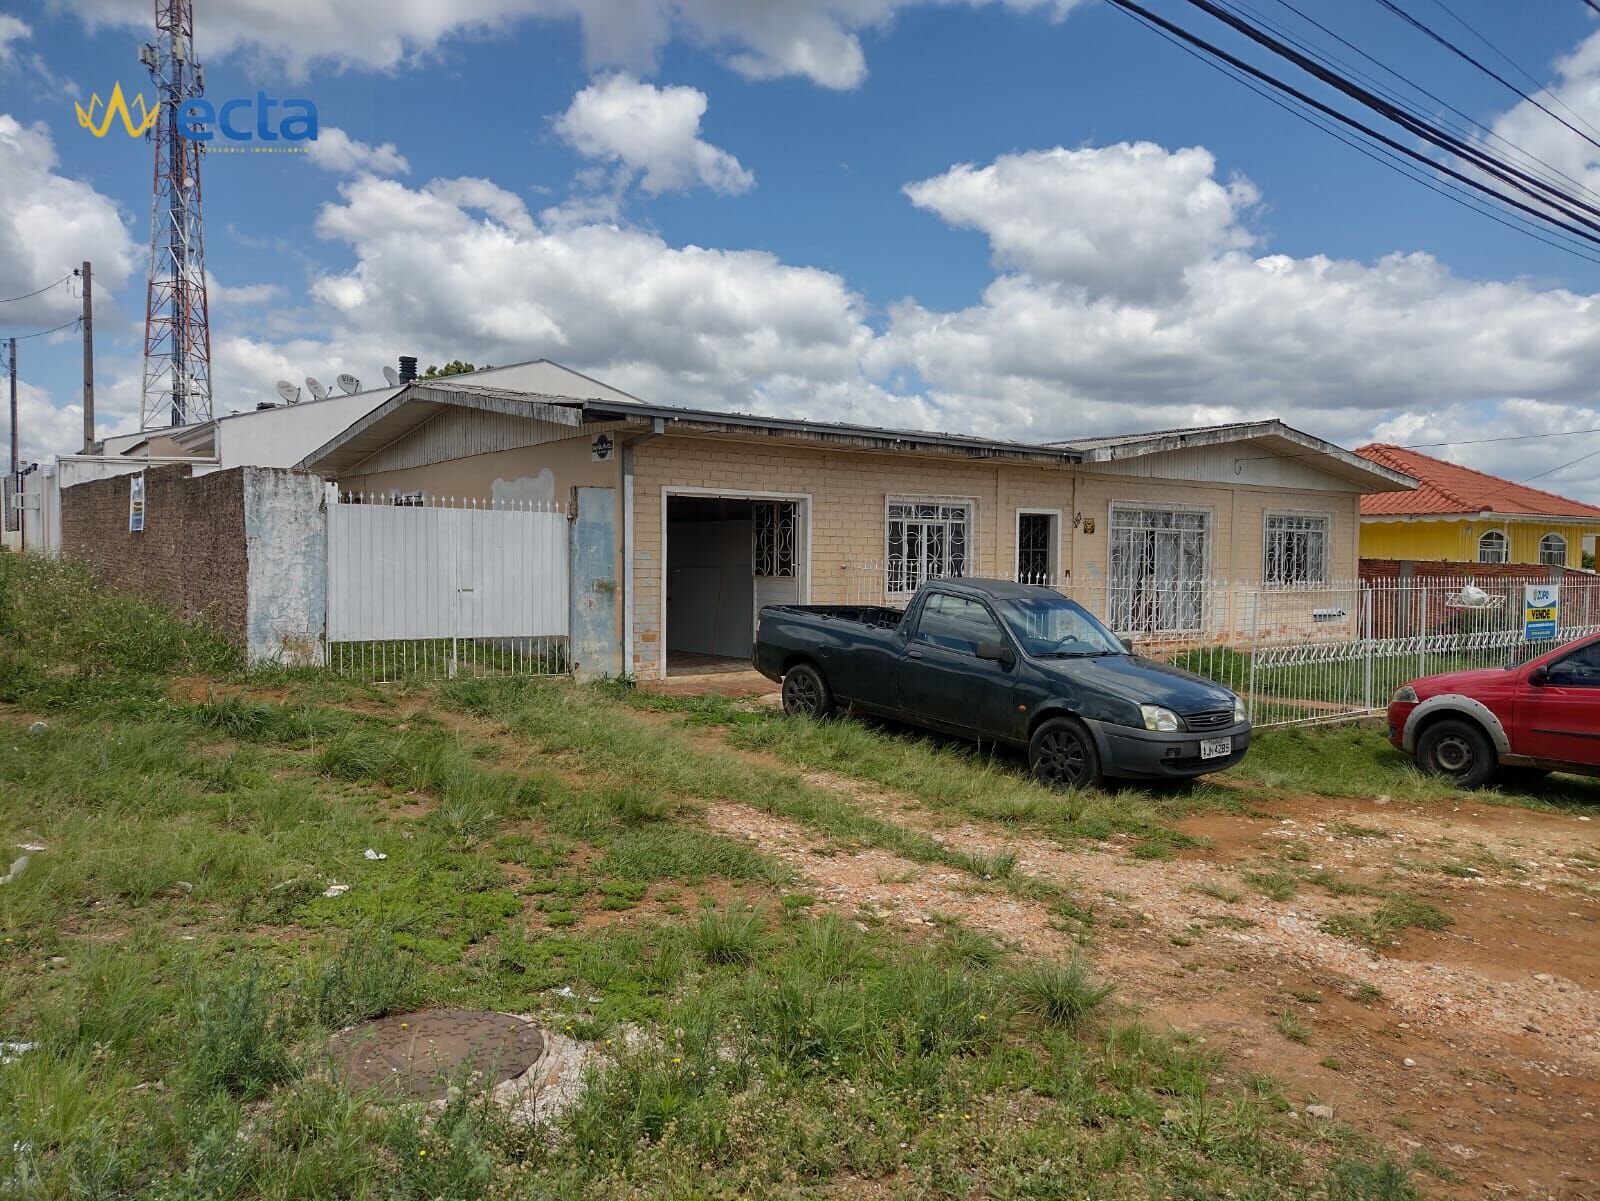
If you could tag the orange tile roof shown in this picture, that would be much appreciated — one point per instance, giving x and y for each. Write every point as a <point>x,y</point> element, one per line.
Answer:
<point>1448,488</point>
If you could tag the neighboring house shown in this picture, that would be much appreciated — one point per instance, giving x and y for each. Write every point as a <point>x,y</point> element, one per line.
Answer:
<point>716,514</point>
<point>1459,515</point>
<point>278,435</point>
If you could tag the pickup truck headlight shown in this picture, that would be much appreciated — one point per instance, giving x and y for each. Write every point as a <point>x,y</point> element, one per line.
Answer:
<point>1157,718</point>
<point>1240,713</point>
<point>1404,695</point>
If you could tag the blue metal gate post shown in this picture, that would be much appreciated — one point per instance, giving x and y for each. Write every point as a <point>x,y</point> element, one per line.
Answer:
<point>595,639</point>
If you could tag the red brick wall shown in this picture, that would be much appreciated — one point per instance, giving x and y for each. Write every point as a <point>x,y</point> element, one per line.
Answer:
<point>1424,569</point>
<point>191,556</point>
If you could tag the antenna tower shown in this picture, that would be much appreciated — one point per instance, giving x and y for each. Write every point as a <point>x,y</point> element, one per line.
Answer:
<point>177,331</point>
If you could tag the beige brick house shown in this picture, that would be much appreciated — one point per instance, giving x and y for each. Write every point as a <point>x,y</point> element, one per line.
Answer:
<point>719,513</point>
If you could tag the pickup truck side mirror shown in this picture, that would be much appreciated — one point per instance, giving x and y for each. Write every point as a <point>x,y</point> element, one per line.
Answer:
<point>1539,676</point>
<point>1127,644</point>
<point>996,652</point>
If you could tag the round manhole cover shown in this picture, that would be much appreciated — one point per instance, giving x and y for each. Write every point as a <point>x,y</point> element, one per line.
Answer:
<point>420,1055</point>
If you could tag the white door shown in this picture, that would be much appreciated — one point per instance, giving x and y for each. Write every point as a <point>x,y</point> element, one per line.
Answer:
<point>777,558</point>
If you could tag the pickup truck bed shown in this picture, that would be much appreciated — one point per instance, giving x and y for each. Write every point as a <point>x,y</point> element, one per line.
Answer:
<point>876,616</point>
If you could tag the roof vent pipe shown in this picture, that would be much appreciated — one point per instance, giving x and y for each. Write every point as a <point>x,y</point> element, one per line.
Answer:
<point>408,368</point>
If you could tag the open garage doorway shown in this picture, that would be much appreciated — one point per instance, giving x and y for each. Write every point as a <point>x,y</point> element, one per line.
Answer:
<point>727,556</point>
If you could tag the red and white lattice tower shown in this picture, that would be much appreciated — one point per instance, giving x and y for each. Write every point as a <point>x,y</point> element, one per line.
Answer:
<point>177,332</point>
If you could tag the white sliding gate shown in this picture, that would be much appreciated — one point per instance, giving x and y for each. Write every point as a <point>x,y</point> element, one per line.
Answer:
<point>438,587</point>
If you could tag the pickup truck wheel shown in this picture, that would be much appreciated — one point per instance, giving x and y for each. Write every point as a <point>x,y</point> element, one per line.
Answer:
<point>806,693</point>
<point>1458,750</point>
<point>1061,754</point>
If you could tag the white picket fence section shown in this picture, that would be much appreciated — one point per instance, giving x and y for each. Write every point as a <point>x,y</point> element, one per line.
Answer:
<point>1302,654</point>
<point>440,587</point>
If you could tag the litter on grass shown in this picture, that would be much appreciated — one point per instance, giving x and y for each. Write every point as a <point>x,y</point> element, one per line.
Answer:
<point>18,866</point>
<point>11,1052</point>
<point>335,890</point>
<point>374,855</point>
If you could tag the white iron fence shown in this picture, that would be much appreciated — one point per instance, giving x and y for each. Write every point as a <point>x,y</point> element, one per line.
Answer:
<point>1307,653</point>
<point>428,586</point>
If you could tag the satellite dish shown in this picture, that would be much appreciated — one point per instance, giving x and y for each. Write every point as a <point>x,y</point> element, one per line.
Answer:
<point>316,387</point>
<point>393,376</point>
<point>288,391</point>
<point>348,384</point>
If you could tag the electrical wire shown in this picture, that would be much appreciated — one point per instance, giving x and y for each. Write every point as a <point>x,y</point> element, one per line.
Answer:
<point>1539,84</point>
<point>1584,228</point>
<point>39,333</point>
<point>1467,118</point>
<point>1484,67</point>
<point>1568,207</point>
<point>1450,191</point>
<point>37,291</point>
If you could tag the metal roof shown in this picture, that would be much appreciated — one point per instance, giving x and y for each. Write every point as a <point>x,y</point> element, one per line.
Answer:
<point>418,402</point>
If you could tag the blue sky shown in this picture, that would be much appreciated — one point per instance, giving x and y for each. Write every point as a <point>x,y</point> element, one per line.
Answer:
<point>811,242</point>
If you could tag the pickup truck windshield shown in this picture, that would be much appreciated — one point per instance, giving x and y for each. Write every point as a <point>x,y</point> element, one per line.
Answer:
<point>1049,624</point>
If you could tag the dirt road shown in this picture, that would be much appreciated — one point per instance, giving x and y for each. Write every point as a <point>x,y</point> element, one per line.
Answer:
<point>1477,1043</point>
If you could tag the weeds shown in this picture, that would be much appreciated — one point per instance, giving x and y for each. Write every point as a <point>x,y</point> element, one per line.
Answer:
<point>733,935</point>
<point>1383,927</point>
<point>1061,994</point>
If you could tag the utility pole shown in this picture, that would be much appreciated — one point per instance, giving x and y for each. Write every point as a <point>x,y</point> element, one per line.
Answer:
<point>88,359</point>
<point>11,354</point>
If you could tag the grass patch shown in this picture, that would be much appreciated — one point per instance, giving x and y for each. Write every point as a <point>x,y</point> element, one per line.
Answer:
<point>1383,927</point>
<point>174,957</point>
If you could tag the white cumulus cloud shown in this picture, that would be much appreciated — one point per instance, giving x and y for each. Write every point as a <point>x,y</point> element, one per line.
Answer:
<point>50,223</point>
<point>335,150</point>
<point>815,39</point>
<point>1122,220</point>
<point>650,131</point>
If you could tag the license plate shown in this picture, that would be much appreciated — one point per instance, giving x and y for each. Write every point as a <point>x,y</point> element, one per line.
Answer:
<point>1216,748</point>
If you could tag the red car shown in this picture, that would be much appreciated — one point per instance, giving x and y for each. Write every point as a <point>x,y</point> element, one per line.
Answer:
<point>1538,716</point>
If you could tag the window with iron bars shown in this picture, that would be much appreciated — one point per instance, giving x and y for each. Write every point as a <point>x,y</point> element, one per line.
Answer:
<point>1296,549</point>
<point>1494,547</point>
<point>926,539</point>
<point>774,547</point>
<point>1158,569</point>
<point>1553,550</point>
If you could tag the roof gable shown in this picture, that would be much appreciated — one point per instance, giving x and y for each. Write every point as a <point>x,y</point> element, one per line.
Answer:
<point>1447,489</point>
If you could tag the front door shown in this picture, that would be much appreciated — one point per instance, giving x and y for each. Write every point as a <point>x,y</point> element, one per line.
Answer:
<point>1560,719</point>
<point>940,677</point>
<point>777,536</point>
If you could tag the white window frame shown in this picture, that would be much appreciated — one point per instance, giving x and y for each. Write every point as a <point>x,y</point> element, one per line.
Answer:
<point>1562,539</point>
<point>1210,514</point>
<point>1501,540</point>
<point>1321,515</point>
<point>889,501</point>
<point>1055,542</point>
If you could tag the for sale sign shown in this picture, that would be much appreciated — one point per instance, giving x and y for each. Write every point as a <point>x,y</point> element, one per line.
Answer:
<point>1541,611</point>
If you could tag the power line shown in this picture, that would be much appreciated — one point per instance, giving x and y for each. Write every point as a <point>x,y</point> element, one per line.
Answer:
<point>39,333</point>
<point>1484,67</point>
<point>1467,118</point>
<point>1539,84</point>
<point>1541,191</point>
<point>1558,209</point>
<point>1434,445</point>
<point>1450,191</point>
<point>37,291</point>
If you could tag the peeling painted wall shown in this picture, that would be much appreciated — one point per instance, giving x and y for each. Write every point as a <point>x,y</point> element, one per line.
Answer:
<point>287,549</point>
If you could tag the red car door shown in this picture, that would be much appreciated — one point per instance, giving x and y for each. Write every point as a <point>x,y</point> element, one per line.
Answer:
<point>1558,708</point>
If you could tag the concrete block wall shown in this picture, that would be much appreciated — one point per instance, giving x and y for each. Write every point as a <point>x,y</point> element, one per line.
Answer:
<point>848,492</point>
<point>243,550</point>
